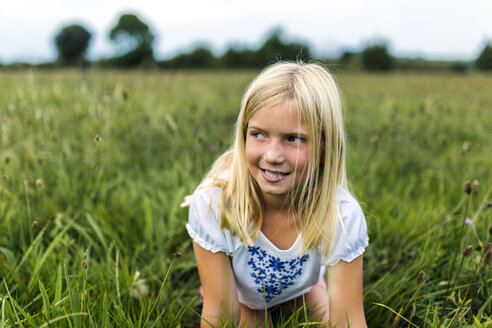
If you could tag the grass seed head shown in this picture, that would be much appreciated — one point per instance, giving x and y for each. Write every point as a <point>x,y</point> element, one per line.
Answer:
<point>177,254</point>
<point>34,225</point>
<point>420,277</point>
<point>468,250</point>
<point>488,257</point>
<point>39,183</point>
<point>468,187</point>
<point>475,183</point>
<point>97,139</point>
<point>84,264</point>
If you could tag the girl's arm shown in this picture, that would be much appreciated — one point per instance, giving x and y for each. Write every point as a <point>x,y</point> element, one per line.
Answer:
<point>345,294</point>
<point>220,301</point>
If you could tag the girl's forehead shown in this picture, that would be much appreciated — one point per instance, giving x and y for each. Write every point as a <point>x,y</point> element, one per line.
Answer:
<point>280,116</point>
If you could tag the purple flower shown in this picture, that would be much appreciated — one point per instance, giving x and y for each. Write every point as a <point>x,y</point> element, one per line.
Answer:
<point>468,221</point>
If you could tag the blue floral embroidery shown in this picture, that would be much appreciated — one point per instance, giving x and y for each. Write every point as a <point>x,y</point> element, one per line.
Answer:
<point>271,274</point>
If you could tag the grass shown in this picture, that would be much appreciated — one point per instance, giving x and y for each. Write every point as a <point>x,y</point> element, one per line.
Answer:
<point>88,228</point>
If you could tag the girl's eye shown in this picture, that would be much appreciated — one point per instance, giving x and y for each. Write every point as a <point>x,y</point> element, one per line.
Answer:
<point>256,134</point>
<point>296,139</point>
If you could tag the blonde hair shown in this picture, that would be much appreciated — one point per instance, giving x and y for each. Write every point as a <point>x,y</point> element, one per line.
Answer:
<point>313,92</point>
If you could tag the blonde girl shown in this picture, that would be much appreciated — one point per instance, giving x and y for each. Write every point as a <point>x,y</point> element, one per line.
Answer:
<point>273,217</point>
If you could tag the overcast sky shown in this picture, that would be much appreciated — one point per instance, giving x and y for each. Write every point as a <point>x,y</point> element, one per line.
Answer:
<point>434,29</point>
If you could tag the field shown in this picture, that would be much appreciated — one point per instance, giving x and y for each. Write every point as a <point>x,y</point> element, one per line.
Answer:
<point>95,166</point>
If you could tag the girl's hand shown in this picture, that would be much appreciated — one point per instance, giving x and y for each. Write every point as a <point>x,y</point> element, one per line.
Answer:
<point>220,301</point>
<point>345,293</point>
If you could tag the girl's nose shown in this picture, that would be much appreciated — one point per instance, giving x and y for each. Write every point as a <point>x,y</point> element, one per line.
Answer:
<point>274,153</point>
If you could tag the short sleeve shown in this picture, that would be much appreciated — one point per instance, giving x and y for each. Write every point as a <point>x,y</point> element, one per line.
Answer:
<point>350,239</point>
<point>204,221</point>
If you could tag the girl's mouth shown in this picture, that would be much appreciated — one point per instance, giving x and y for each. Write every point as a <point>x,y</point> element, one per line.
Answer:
<point>273,176</point>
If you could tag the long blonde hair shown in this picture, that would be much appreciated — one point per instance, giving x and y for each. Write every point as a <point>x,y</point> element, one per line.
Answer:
<point>313,92</point>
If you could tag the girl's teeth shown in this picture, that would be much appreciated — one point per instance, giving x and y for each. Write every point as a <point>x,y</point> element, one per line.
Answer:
<point>274,174</point>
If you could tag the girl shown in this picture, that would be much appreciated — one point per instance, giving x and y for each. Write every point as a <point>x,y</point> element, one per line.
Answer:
<point>273,215</point>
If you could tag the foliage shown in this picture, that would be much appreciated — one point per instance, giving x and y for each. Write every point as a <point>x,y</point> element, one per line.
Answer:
<point>89,225</point>
<point>200,57</point>
<point>133,37</point>
<point>273,49</point>
<point>72,43</point>
<point>377,58</point>
<point>484,60</point>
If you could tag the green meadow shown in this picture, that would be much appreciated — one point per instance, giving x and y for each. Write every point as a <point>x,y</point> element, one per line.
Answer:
<point>95,164</point>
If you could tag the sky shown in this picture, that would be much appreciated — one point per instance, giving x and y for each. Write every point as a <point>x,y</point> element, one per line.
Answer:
<point>431,29</point>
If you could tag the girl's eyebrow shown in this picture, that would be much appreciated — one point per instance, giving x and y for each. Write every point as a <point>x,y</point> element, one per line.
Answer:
<point>300,133</point>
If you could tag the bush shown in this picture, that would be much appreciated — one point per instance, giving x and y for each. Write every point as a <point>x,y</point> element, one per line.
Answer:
<point>377,58</point>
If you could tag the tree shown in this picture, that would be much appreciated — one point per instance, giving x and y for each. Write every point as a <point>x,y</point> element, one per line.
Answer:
<point>72,43</point>
<point>484,60</point>
<point>377,58</point>
<point>134,38</point>
<point>275,48</point>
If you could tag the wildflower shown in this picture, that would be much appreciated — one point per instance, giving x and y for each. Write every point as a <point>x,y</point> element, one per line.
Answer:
<point>177,254</point>
<point>468,187</point>
<point>475,183</point>
<point>140,289</point>
<point>468,250</point>
<point>39,183</point>
<point>137,274</point>
<point>420,277</point>
<point>468,221</point>
<point>97,139</point>
<point>34,225</point>
<point>84,264</point>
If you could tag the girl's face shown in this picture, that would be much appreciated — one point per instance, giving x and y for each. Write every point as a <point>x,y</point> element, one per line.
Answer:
<point>277,151</point>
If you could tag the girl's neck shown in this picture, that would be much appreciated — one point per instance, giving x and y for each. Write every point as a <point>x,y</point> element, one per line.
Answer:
<point>279,205</point>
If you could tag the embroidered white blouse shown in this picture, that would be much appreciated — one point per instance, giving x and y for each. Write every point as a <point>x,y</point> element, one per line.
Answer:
<point>266,275</point>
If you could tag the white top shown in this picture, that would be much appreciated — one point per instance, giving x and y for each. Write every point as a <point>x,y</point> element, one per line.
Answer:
<point>263,272</point>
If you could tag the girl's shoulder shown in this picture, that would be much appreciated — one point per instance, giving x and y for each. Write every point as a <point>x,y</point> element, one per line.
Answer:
<point>350,238</point>
<point>204,219</point>
<point>348,205</point>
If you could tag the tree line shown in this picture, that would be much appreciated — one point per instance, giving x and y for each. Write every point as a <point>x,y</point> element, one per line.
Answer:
<point>133,38</point>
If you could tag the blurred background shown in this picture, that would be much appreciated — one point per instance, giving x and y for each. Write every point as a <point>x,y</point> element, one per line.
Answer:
<point>377,35</point>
